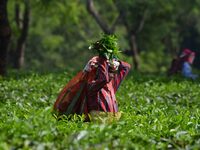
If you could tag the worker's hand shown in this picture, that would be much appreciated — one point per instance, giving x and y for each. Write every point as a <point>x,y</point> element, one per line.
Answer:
<point>92,63</point>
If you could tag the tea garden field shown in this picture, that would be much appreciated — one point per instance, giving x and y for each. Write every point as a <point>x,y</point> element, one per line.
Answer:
<point>157,113</point>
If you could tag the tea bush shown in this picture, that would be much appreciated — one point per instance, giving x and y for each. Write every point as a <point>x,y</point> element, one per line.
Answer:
<point>157,113</point>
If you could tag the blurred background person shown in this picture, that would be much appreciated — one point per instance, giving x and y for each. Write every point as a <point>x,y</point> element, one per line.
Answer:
<point>188,57</point>
<point>182,64</point>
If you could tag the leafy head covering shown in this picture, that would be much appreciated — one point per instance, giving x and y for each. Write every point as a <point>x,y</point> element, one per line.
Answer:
<point>107,46</point>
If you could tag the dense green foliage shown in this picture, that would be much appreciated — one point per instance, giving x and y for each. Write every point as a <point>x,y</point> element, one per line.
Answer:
<point>61,30</point>
<point>158,113</point>
<point>107,46</point>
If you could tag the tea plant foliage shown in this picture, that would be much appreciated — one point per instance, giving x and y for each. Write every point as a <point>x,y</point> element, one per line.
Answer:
<point>157,113</point>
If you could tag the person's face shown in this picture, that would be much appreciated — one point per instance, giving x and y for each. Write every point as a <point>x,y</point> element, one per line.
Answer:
<point>191,58</point>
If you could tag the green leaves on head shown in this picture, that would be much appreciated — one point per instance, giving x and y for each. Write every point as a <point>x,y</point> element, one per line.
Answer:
<point>107,46</point>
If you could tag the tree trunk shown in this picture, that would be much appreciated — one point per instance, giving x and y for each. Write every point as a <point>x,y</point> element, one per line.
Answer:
<point>5,34</point>
<point>134,48</point>
<point>170,47</point>
<point>105,27</point>
<point>24,26</point>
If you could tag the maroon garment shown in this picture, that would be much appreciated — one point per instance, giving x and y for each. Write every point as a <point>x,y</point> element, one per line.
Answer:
<point>101,91</point>
<point>91,89</point>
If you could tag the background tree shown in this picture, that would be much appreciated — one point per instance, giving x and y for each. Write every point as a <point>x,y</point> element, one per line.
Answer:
<point>137,17</point>
<point>22,23</point>
<point>151,32</point>
<point>134,23</point>
<point>5,33</point>
<point>188,27</point>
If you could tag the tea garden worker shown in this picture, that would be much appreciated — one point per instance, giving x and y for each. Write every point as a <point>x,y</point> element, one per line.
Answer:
<point>110,73</point>
<point>188,57</point>
<point>93,91</point>
<point>182,64</point>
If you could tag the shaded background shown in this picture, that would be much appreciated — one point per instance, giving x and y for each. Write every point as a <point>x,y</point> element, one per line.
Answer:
<point>49,35</point>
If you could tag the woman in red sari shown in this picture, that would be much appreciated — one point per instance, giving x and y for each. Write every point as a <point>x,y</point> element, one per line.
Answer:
<point>97,84</point>
<point>101,91</point>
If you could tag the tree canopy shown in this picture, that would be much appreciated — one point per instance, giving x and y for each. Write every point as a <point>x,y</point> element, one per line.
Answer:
<point>53,35</point>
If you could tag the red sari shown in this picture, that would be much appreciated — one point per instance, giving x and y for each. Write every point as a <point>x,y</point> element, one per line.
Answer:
<point>101,91</point>
<point>91,90</point>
